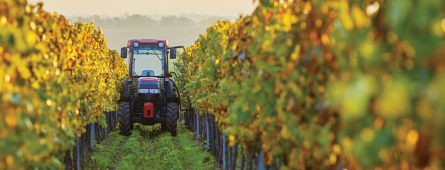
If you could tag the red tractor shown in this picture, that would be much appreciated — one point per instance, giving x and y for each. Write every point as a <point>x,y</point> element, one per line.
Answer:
<point>149,95</point>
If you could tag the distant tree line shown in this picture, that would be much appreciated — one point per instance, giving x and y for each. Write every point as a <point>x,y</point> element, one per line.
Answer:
<point>144,21</point>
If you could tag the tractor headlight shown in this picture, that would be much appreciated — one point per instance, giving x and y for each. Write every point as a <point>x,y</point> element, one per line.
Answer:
<point>160,44</point>
<point>136,44</point>
<point>153,90</point>
<point>156,91</point>
<point>142,90</point>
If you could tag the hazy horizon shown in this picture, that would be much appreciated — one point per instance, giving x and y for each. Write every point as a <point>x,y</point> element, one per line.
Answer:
<point>145,17</point>
<point>147,7</point>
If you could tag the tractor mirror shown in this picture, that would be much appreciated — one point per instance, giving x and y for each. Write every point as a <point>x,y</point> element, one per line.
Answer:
<point>172,53</point>
<point>124,52</point>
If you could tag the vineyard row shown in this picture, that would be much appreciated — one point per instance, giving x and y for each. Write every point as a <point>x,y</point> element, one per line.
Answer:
<point>55,79</point>
<point>326,84</point>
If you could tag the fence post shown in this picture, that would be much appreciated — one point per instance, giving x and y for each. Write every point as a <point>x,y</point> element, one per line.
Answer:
<point>197,126</point>
<point>189,119</point>
<point>204,129</point>
<point>226,145</point>
<point>211,135</point>
<point>233,156</point>
<point>107,125</point>
<point>82,148</point>
<point>111,121</point>
<point>229,160</point>
<point>277,165</point>
<point>92,136</point>
<point>218,145</point>
<point>224,151</point>
<point>97,133</point>
<point>260,164</point>
<point>67,160</point>
<point>249,161</point>
<point>207,125</point>
<point>201,127</point>
<point>218,148</point>
<point>181,116</point>
<point>101,130</point>
<point>185,118</point>
<point>77,155</point>
<point>243,159</point>
<point>192,119</point>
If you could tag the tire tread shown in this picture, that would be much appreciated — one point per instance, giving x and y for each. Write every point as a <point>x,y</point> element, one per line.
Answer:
<point>125,125</point>
<point>172,118</point>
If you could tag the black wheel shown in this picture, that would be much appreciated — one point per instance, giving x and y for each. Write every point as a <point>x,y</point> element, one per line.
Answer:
<point>172,118</point>
<point>125,125</point>
<point>163,127</point>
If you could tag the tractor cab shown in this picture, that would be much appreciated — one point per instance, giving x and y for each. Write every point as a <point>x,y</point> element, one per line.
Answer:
<point>149,95</point>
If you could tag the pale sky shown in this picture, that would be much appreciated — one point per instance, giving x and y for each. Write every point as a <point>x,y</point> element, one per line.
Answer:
<point>147,7</point>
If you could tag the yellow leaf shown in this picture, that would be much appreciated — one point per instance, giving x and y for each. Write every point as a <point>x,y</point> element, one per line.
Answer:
<point>11,119</point>
<point>336,149</point>
<point>232,140</point>
<point>394,102</point>
<point>367,134</point>
<point>347,143</point>
<point>367,49</point>
<point>438,28</point>
<point>285,134</point>
<point>344,15</point>
<point>411,139</point>
<point>332,159</point>
<point>360,18</point>
<point>9,160</point>
<point>233,47</point>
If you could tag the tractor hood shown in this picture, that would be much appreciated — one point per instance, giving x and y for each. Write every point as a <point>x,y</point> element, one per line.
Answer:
<point>149,83</point>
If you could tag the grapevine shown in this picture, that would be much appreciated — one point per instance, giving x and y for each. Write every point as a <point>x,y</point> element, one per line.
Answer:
<point>326,84</point>
<point>55,78</point>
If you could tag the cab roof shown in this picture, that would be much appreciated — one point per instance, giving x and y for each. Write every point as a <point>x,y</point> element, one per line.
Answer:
<point>146,41</point>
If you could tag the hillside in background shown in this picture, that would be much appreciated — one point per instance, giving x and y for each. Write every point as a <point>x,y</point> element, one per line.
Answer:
<point>138,21</point>
<point>183,29</point>
<point>117,38</point>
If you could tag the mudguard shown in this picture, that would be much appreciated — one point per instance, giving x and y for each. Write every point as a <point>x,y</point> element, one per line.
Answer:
<point>125,94</point>
<point>171,92</point>
<point>170,89</point>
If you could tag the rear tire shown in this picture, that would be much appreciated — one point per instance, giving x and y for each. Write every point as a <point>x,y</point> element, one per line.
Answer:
<point>172,118</point>
<point>125,125</point>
